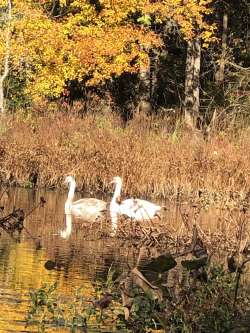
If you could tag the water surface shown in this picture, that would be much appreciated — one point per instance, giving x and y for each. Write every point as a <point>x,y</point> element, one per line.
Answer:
<point>81,260</point>
<point>22,262</point>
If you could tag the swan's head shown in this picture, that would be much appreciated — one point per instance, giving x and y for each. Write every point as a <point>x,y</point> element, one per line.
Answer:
<point>116,180</point>
<point>69,180</point>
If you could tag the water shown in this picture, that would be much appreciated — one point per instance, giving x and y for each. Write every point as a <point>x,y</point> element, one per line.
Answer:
<point>80,260</point>
<point>22,263</point>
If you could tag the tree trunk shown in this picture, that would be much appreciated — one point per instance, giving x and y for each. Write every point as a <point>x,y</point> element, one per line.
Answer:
<point>219,76</point>
<point>146,85</point>
<point>196,76</point>
<point>192,80</point>
<point>6,58</point>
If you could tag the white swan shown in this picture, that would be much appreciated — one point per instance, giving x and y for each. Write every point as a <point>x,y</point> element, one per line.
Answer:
<point>67,231</point>
<point>88,209</point>
<point>136,209</point>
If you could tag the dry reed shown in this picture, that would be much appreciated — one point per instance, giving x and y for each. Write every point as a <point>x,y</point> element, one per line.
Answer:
<point>153,160</point>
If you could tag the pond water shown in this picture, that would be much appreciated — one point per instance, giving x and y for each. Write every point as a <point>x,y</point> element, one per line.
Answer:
<point>81,260</point>
<point>22,263</point>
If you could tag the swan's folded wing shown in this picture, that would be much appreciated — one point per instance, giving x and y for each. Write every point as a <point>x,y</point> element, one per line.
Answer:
<point>99,204</point>
<point>89,209</point>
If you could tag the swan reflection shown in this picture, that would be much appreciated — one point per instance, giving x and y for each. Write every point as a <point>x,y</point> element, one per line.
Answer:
<point>68,230</point>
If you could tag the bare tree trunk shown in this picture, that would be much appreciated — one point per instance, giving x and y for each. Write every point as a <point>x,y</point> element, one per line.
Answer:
<point>189,85</point>
<point>6,58</point>
<point>192,80</point>
<point>196,76</point>
<point>219,76</point>
<point>147,85</point>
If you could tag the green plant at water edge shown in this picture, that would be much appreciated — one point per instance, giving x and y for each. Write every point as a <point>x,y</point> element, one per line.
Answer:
<point>207,308</point>
<point>144,314</point>
<point>44,307</point>
<point>202,305</point>
<point>48,309</point>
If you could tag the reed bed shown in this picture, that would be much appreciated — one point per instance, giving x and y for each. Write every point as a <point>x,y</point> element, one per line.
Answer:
<point>153,159</point>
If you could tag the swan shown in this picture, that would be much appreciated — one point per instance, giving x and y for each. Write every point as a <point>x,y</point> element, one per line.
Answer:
<point>136,209</point>
<point>89,209</point>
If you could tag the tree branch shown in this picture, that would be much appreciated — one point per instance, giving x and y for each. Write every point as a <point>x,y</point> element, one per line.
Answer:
<point>238,66</point>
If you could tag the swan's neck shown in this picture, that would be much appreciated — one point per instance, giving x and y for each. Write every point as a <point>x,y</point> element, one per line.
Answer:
<point>117,192</point>
<point>115,207</point>
<point>71,193</point>
<point>67,207</point>
<point>69,201</point>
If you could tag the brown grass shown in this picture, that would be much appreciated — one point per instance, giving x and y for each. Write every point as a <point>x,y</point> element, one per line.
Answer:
<point>153,159</point>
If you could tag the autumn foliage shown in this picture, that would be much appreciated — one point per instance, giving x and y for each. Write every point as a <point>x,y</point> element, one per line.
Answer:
<point>54,42</point>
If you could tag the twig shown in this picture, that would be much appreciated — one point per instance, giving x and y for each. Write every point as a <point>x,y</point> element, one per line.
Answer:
<point>237,66</point>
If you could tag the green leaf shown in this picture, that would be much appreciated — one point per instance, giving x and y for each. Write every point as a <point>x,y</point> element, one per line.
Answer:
<point>145,20</point>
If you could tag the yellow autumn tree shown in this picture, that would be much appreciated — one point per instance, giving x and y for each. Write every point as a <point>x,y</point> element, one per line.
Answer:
<point>53,42</point>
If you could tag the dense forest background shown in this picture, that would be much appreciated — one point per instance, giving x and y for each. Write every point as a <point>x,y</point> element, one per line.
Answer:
<point>161,56</point>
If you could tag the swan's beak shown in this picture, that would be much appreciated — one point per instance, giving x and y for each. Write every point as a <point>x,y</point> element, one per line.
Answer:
<point>112,181</point>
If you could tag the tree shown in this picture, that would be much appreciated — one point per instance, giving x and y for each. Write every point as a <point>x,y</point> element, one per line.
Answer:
<point>55,42</point>
<point>190,18</point>
<point>219,76</point>
<point>192,90</point>
<point>6,52</point>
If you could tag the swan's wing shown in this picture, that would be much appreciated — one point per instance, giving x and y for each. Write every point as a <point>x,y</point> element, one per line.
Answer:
<point>147,210</point>
<point>139,209</point>
<point>88,202</point>
<point>134,209</point>
<point>127,207</point>
<point>128,203</point>
<point>147,205</point>
<point>88,209</point>
<point>138,203</point>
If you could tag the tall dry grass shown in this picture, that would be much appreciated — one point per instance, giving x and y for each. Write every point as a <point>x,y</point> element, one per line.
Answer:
<point>153,159</point>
